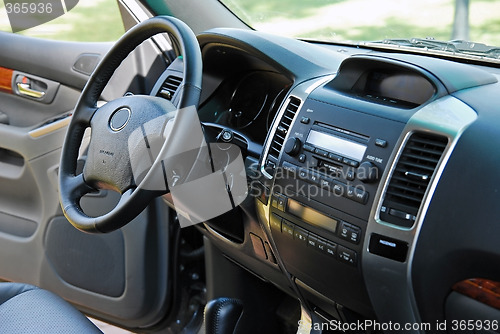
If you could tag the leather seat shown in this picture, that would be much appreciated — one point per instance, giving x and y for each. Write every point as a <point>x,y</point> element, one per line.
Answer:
<point>26,309</point>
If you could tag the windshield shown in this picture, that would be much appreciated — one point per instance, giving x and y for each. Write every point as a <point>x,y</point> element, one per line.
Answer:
<point>387,21</point>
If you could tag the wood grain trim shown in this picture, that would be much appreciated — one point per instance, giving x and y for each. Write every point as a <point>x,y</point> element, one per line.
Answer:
<point>482,290</point>
<point>6,79</point>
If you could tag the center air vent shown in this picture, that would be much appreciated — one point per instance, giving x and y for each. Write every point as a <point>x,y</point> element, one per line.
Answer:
<point>169,87</point>
<point>411,177</point>
<point>278,140</point>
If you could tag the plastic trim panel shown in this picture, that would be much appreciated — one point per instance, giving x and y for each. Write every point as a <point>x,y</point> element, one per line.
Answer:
<point>302,96</point>
<point>389,282</point>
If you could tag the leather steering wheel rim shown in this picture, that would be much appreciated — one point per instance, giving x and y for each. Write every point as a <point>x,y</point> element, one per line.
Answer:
<point>73,186</point>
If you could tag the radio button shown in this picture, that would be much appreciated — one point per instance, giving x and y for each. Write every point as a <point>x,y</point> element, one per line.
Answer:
<point>313,162</point>
<point>313,178</point>
<point>380,142</point>
<point>305,120</point>
<point>303,173</point>
<point>349,162</point>
<point>335,157</point>
<point>339,188</point>
<point>309,176</point>
<point>321,152</point>
<point>302,158</point>
<point>326,183</point>
<point>356,195</point>
<point>308,148</point>
<point>350,175</point>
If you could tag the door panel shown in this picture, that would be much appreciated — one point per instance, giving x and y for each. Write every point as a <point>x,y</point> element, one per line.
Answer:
<point>121,277</point>
<point>48,59</point>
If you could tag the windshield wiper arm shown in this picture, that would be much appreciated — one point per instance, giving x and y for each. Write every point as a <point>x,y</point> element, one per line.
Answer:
<point>453,46</point>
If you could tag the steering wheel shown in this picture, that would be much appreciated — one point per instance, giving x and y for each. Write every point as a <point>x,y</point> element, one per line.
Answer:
<point>125,132</point>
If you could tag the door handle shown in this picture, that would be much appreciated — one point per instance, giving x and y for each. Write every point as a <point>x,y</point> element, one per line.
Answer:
<point>26,90</point>
<point>30,86</point>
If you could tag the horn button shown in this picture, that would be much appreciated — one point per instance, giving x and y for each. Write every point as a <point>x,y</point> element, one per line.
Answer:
<point>119,119</point>
<point>122,130</point>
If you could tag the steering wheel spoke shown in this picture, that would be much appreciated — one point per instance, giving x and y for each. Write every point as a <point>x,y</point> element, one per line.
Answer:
<point>75,188</point>
<point>84,114</point>
<point>78,187</point>
<point>125,197</point>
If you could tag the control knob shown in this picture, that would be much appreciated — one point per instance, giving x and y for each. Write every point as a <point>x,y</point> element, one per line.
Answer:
<point>368,172</point>
<point>292,146</point>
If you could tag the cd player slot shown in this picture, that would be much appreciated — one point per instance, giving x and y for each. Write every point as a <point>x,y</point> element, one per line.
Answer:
<point>343,132</point>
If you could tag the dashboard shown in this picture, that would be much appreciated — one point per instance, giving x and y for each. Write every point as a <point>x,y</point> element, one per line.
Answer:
<point>372,175</point>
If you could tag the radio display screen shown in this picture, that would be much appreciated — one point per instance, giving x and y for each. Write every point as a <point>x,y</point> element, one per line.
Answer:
<point>341,146</point>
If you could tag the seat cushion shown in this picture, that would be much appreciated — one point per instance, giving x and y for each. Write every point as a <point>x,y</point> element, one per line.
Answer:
<point>27,309</point>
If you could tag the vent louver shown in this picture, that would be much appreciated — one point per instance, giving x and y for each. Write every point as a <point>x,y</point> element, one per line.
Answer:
<point>411,177</point>
<point>169,87</point>
<point>280,134</point>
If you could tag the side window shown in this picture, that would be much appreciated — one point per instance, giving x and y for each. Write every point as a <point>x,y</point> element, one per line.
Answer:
<point>84,21</point>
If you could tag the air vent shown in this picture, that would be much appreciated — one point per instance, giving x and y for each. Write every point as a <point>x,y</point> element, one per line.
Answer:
<point>410,179</point>
<point>169,87</point>
<point>280,134</point>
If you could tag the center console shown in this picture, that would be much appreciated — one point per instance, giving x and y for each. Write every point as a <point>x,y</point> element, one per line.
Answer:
<point>323,191</point>
<point>322,167</point>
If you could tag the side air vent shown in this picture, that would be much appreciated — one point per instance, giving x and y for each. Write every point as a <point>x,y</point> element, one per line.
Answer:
<point>169,87</point>
<point>411,177</point>
<point>280,134</point>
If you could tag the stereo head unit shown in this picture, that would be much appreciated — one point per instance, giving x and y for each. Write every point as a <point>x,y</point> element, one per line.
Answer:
<point>332,169</point>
